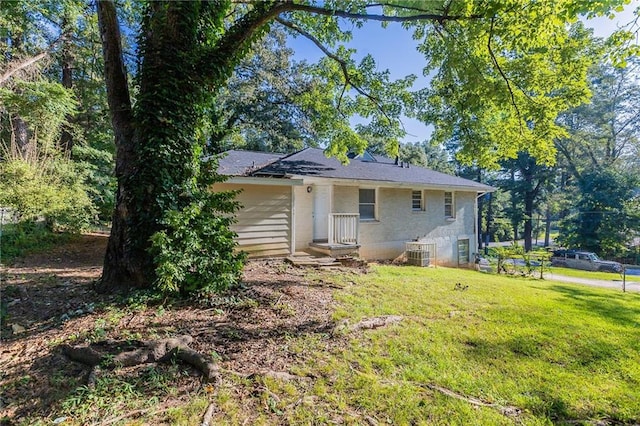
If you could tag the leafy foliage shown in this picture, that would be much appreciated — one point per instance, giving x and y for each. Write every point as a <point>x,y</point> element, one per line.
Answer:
<point>258,109</point>
<point>43,116</point>
<point>500,82</point>
<point>599,158</point>
<point>54,192</point>
<point>607,215</point>
<point>194,253</point>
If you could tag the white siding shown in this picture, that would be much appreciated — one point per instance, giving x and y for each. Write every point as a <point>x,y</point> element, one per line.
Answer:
<point>264,221</point>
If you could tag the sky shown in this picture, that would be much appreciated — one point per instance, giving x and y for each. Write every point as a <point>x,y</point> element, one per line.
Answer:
<point>394,49</point>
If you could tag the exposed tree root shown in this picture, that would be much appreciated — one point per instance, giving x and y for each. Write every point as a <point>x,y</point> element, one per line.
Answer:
<point>371,323</point>
<point>208,415</point>
<point>114,353</point>
<point>508,410</point>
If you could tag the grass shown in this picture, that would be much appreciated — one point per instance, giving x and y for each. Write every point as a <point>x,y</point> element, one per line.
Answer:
<point>17,240</point>
<point>593,275</point>
<point>558,353</point>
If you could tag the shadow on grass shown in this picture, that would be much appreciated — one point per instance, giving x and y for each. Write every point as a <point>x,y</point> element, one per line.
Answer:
<point>536,351</point>
<point>614,307</point>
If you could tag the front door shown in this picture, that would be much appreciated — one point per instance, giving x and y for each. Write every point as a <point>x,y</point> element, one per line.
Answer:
<point>321,210</point>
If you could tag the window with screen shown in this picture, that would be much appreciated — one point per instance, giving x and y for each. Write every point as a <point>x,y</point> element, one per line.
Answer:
<point>449,208</point>
<point>417,203</point>
<point>367,204</point>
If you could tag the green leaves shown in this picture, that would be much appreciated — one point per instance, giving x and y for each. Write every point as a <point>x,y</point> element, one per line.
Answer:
<point>195,253</point>
<point>51,189</point>
<point>606,215</point>
<point>501,81</point>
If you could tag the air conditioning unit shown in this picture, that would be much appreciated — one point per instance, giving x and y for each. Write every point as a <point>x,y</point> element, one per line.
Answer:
<point>417,253</point>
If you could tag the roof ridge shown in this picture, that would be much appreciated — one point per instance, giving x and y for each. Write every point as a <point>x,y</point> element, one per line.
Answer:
<point>283,157</point>
<point>294,153</point>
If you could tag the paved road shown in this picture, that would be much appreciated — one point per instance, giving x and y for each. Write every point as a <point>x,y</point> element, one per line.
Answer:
<point>617,284</point>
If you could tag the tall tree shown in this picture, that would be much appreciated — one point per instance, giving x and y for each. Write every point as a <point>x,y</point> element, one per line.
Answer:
<point>600,157</point>
<point>527,183</point>
<point>260,108</point>
<point>507,65</point>
<point>606,131</point>
<point>606,215</point>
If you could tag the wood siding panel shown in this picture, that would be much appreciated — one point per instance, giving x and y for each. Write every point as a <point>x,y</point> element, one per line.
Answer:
<point>264,221</point>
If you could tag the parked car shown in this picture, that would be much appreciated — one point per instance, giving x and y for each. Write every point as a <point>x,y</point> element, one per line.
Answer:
<point>584,260</point>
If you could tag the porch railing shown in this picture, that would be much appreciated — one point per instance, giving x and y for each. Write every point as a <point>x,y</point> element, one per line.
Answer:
<point>344,228</point>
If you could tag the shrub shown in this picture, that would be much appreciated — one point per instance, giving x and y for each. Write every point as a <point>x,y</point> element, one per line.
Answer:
<point>48,190</point>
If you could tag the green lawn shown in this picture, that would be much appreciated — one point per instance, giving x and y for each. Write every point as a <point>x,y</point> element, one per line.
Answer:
<point>492,350</point>
<point>607,276</point>
<point>561,353</point>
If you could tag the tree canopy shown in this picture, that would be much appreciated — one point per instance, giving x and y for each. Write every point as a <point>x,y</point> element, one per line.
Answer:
<point>501,73</point>
<point>502,69</point>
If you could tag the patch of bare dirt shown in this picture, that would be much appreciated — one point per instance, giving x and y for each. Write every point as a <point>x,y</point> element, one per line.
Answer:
<point>51,302</point>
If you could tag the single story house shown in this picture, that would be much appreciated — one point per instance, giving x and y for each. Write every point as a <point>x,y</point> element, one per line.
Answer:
<point>372,206</point>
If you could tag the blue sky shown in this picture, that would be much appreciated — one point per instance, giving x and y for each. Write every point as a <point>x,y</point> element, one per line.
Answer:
<point>394,49</point>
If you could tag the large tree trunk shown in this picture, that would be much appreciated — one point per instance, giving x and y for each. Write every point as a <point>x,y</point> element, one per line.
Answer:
<point>123,265</point>
<point>158,148</point>
<point>22,145</point>
<point>489,222</point>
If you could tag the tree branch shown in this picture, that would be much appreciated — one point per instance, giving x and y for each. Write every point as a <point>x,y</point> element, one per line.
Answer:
<point>340,61</point>
<point>30,61</point>
<point>504,76</point>
<point>397,6</point>
<point>567,155</point>
<point>292,7</point>
<point>27,63</point>
<point>236,37</point>
<point>116,81</point>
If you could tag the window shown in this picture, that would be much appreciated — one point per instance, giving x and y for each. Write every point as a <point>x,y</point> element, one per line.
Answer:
<point>449,206</point>
<point>367,204</point>
<point>417,203</point>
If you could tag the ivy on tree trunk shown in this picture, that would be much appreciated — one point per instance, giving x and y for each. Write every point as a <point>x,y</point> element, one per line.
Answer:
<point>162,186</point>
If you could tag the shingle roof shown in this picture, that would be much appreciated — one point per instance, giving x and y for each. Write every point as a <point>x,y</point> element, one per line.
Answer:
<point>313,162</point>
<point>242,163</point>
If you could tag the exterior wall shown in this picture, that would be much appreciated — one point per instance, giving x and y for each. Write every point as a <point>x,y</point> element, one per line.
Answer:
<point>267,223</point>
<point>397,223</point>
<point>264,221</point>
<point>303,213</point>
<point>345,199</point>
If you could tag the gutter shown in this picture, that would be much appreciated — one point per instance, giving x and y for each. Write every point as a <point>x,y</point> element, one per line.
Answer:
<point>388,184</point>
